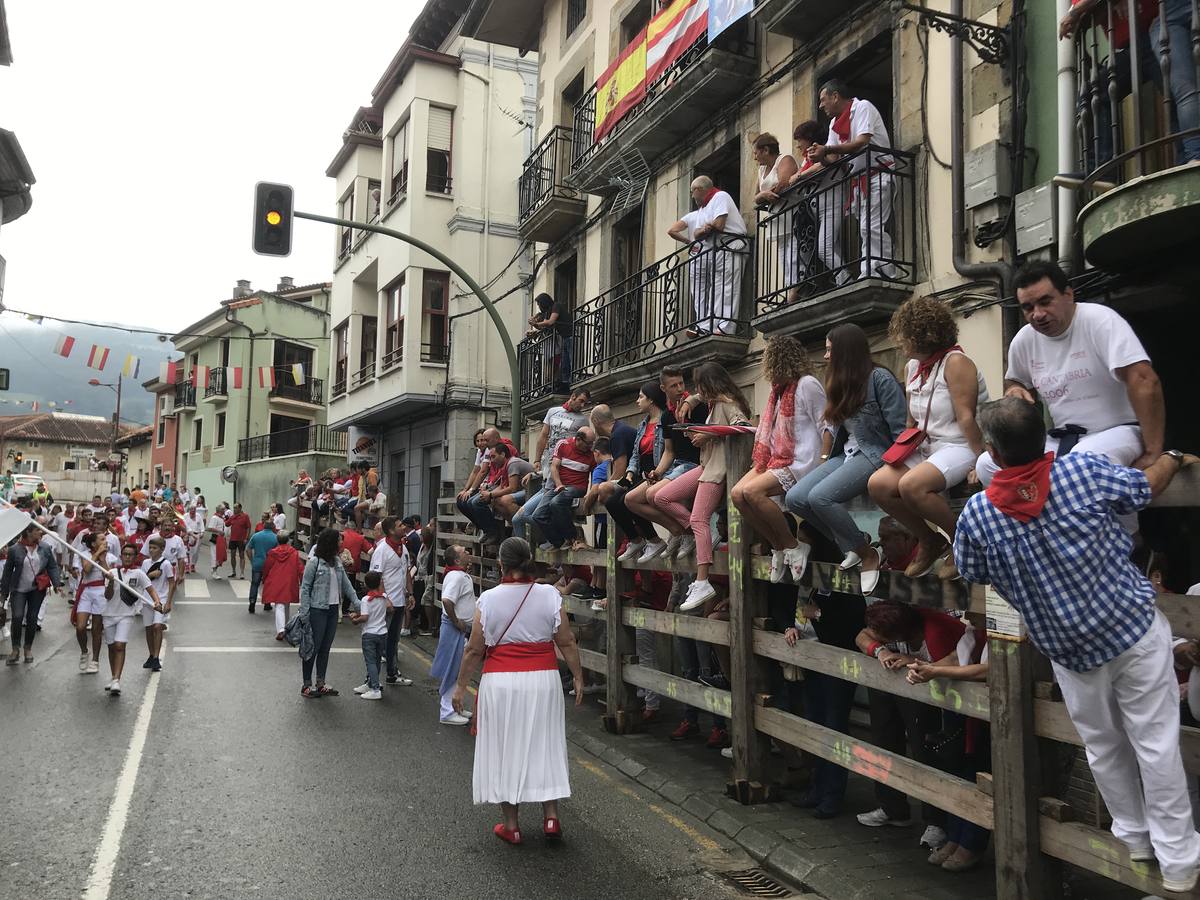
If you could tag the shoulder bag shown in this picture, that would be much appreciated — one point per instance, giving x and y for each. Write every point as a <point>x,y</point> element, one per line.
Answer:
<point>910,439</point>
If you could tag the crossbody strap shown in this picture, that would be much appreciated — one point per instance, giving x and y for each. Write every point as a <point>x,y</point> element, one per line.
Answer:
<point>514,616</point>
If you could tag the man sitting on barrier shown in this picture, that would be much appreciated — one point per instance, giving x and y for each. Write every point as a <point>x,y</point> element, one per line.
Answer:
<point>1046,534</point>
<point>560,423</point>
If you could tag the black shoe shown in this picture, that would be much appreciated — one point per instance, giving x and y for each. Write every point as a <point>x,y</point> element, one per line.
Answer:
<point>808,800</point>
<point>266,607</point>
<point>598,594</point>
<point>251,609</point>
<point>392,679</point>
<point>157,666</point>
<point>718,681</point>
<point>149,663</point>
<point>825,811</point>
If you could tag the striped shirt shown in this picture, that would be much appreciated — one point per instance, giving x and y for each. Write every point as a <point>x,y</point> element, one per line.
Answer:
<point>1068,571</point>
<point>574,465</point>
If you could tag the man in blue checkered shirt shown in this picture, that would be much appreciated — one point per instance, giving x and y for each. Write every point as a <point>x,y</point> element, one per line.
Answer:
<point>1046,535</point>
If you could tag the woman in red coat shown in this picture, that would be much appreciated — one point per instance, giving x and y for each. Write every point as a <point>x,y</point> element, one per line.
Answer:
<point>281,576</point>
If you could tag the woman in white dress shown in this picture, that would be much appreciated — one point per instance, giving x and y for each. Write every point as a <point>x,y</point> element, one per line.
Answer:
<point>521,746</point>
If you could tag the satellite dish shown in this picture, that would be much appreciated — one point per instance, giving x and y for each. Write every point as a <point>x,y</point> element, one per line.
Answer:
<point>229,474</point>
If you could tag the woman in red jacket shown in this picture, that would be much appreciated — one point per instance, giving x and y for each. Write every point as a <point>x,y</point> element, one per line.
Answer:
<point>281,576</point>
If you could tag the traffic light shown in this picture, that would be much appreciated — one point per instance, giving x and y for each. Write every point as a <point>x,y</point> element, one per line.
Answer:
<point>17,457</point>
<point>272,219</point>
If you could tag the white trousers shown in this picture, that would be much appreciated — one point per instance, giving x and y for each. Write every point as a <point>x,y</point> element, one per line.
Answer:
<point>1127,712</point>
<point>871,205</point>
<point>281,615</point>
<point>1122,444</point>
<point>212,557</point>
<point>194,552</point>
<point>716,284</point>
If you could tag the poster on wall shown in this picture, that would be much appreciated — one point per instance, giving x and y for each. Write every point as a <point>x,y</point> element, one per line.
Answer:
<point>361,446</point>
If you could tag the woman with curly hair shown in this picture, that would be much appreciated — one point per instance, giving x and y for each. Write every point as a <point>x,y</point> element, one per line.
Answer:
<point>944,389</point>
<point>789,444</point>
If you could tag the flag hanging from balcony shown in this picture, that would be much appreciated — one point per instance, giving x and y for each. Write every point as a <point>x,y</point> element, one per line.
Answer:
<point>200,377</point>
<point>168,372</point>
<point>98,358</point>
<point>132,366</point>
<point>298,373</point>
<point>622,86</point>
<point>723,13</point>
<point>64,345</point>
<point>266,377</point>
<point>35,406</point>
<point>233,374</point>
<point>675,28</point>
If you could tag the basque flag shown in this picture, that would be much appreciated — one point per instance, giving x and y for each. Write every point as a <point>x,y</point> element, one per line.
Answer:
<point>98,358</point>
<point>64,345</point>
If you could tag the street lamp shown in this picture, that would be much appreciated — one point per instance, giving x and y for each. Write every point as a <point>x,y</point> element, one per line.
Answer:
<point>96,382</point>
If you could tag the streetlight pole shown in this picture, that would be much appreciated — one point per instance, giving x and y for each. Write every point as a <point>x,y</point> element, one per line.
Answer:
<point>116,428</point>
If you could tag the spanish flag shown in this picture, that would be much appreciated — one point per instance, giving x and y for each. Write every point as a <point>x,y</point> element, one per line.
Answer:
<point>622,86</point>
<point>673,30</point>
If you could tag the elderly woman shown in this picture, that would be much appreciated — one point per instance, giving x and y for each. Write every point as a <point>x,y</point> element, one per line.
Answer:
<point>944,389</point>
<point>775,171</point>
<point>323,587</point>
<point>521,747</point>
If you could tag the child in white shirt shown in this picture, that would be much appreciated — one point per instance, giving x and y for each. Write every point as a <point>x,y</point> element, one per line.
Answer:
<point>371,613</point>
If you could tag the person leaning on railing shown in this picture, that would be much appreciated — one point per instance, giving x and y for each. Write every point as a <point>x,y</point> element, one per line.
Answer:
<point>714,273</point>
<point>944,389</point>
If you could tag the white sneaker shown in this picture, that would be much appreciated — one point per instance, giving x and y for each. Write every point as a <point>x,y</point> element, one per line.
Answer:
<point>84,659</point>
<point>778,566</point>
<point>1181,884</point>
<point>471,713</point>
<point>599,605</point>
<point>362,688</point>
<point>372,695</point>
<point>934,837</point>
<point>545,545</point>
<point>797,560</point>
<point>93,667</point>
<point>632,550</point>
<point>455,719</point>
<point>653,551</point>
<point>405,632</point>
<point>727,752</point>
<point>687,546</point>
<point>1141,854</point>
<point>108,687</point>
<point>115,688</point>
<point>672,549</point>
<point>696,595</point>
<point>877,818</point>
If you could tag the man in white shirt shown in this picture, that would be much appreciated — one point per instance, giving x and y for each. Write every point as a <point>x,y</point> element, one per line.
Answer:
<point>174,549</point>
<point>458,613</point>
<point>717,232</point>
<point>390,560</point>
<point>855,124</point>
<point>214,533</point>
<point>193,523</point>
<point>1090,371</point>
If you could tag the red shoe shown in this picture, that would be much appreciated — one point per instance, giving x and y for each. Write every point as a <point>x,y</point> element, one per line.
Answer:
<point>717,739</point>
<point>552,828</point>
<point>649,715</point>
<point>685,729</point>
<point>511,837</point>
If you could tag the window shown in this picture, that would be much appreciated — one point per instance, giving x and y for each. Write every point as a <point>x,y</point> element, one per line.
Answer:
<point>345,211</point>
<point>220,441</point>
<point>160,437</point>
<point>287,355</point>
<point>393,336</point>
<point>566,283</point>
<point>224,352</point>
<point>571,95</point>
<point>33,466</point>
<point>158,475</point>
<point>374,198</point>
<point>164,408</point>
<point>399,164</point>
<point>435,296</point>
<point>637,19</point>
<point>576,13</point>
<point>437,156</point>
<point>68,465</point>
<point>341,336</point>
<point>197,433</point>
<point>366,350</point>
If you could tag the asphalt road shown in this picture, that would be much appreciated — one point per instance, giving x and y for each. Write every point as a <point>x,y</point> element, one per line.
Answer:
<point>242,788</point>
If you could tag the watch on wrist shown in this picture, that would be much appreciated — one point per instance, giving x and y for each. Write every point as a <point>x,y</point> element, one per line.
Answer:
<point>1176,455</point>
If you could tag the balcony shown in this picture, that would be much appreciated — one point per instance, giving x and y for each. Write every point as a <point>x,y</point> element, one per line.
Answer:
<point>217,385</point>
<point>311,439</point>
<point>185,395</point>
<point>547,208</point>
<point>435,353</point>
<point>700,82</point>
<point>541,363</point>
<point>802,19</point>
<point>339,385</point>
<point>818,263</point>
<point>1135,147</point>
<point>687,306</point>
<point>399,186</point>
<point>391,359</point>
<point>311,393</point>
<point>365,375</point>
<point>438,184</point>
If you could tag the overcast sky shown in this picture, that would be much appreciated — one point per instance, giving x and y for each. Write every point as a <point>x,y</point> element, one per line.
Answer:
<point>147,124</point>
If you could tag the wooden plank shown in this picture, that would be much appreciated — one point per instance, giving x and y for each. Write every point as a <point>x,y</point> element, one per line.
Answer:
<point>1184,490</point>
<point>1182,611</point>
<point>582,609</point>
<point>684,626</point>
<point>458,537</point>
<point>1051,720</point>
<point>693,693</point>
<point>593,661</point>
<point>619,644</point>
<point>1098,851</point>
<point>922,782</point>
<point>1022,873</point>
<point>967,697</point>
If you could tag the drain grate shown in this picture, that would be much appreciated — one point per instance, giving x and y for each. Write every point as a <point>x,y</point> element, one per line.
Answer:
<point>756,883</point>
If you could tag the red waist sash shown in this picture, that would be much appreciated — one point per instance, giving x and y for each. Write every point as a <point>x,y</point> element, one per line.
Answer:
<point>520,656</point>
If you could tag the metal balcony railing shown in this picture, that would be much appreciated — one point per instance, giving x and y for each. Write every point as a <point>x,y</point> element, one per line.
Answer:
<point>694,292</point>
<point>391,359</point>
<point>544,173</point>
<point>185,395</point>
<point>399,185</point>
<point>438,184</point>
<point>312,391</point>
<point>310,439</point>
<point>854,218</point>
<point>338,387</point>
<point>217,385</point>
<point>363,375</point>
<point>435,353</point>
<point>540,358</point>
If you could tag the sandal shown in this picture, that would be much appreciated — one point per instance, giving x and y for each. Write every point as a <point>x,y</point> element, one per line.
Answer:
<point>310,693</point>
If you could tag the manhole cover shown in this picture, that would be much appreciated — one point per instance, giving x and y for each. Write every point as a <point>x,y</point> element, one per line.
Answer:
<point>756,883</point>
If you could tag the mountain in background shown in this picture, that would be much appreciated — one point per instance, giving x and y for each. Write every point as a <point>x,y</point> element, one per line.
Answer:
<point>38,373</point>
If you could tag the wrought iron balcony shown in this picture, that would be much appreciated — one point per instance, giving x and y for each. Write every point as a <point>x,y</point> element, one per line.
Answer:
<point>310,439</point>
<point>839,245</point>
<point>312,391</point>
<point>435,353</point>
<point>217,385</point>
<point>544,371</point>
<point>185,395</point>
<point>547,207</point>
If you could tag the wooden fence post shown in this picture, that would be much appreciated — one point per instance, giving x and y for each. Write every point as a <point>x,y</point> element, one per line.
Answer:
<point>619,644</point>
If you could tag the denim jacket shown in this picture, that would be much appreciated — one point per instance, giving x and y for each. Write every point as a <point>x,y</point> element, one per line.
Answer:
<point>314,586</point>
<point>635,461</point>
<point>16,559</point>
<point>879,421</point>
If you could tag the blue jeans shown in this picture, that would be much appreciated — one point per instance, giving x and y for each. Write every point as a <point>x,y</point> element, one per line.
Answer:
<point>1183,70</point>
<point>524,515</point>
<point>255,581</point>
<point>479,512</point>
<point>827,701</point>
<point>819,495</point>
<point>373,646</point>
<point>324,627</point>
<point>554,517</point>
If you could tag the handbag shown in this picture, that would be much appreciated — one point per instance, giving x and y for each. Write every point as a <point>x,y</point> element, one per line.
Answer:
<point>910,439</point>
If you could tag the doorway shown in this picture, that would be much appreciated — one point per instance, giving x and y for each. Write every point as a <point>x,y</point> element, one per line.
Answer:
<point>396,485</point>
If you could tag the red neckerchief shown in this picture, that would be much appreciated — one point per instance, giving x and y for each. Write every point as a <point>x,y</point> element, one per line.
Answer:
<point>513,579</point>
<point>453,569</point>
<point>841,125</point>
<point>925,366</point>
<point>712,192</point>
<point>807,164</point>
<point>672,407</point>
<point>1022,491</point>
<point>397,547</point>
<point>374,595</point>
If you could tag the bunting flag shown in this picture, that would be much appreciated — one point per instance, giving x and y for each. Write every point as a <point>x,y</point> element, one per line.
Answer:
<point>622,86</point>
<point>52,404</point>
<point>298,373</point>
<point>98,358</point>
<point>35,406</point>
<point>200,376</point>
<point>676,27</point>
<point>168,372</point>
<point>266,377</point>
<point>64,345</point>
<point>233,377</point>
<point>132,366</point>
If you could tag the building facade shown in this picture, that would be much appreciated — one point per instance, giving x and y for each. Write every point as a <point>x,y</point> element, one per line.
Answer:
<point>163,445</point>
<point>414,359</point>
<point>138,449</point>
<point>63,449</point>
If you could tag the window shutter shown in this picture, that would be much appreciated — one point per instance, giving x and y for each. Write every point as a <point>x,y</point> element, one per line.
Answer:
<point>440,125</point>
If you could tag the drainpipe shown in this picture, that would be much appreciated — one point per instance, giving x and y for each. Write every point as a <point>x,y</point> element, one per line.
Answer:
<point>1067,92</point>
<point>1000,271</point>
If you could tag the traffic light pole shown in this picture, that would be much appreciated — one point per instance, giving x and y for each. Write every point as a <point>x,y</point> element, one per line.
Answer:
<point>509,350</point>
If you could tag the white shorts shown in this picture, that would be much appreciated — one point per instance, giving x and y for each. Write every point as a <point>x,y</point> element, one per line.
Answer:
<point>1122,444</point>
<point>954,461</point>
<point>151,617</point>
<point>89,605</point>
<point>117,631</point>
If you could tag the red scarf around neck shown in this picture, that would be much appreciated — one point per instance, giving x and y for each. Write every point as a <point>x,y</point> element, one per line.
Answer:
<point>398,547</point>
<point>1022,491</point>
<point>374,594</point>
<point>841,125</point>
<point>453,569</point>
<point>712,192</point>
<point>516,579</point>
<point>925,366</point>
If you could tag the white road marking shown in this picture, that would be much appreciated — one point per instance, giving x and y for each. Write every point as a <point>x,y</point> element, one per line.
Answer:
<point>197,589</point>
<point>240,589</point>
<point>103,864</point>
<point>258,650</point>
